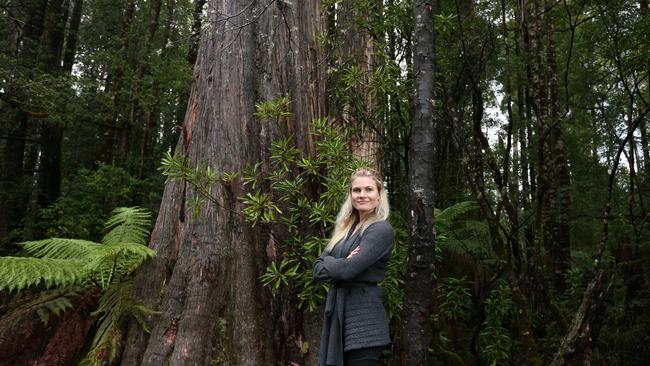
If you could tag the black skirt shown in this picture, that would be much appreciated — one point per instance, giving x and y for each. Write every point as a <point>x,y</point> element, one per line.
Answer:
<point>363,356</point>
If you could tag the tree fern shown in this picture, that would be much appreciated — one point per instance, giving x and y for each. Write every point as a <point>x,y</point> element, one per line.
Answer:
<point>120,258</point>
<point>44,303</point>
<point>445,218</point>
<point>114,305</point>
<point>128,225</point>
<point>59,248</point>
<point>18,273</point>
<point>458,235</point>
<point>64,268</point>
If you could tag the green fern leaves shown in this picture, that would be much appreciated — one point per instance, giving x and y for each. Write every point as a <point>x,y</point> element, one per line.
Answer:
<point>128,225</point>
<point>57,262</point>
<point>18,273</point>
<point>62,269</point>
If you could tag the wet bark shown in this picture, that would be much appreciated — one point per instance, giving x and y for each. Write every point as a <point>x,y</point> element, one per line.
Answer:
<point>204,279</point>
<point>419,284</point>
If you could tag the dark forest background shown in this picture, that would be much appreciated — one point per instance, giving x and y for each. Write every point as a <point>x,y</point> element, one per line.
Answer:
<point>512,137</point>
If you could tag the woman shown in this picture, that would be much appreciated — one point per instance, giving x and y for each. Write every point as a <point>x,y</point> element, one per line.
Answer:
<point>355,328</point>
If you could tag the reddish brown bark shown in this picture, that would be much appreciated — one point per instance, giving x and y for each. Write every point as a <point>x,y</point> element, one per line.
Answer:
<point>204,279</point>
<point>30,341</point>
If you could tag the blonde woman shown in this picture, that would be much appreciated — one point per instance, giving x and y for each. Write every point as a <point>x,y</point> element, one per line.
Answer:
<point>355,328</point>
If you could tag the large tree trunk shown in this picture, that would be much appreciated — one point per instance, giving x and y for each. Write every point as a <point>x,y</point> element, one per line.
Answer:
<point>419,284</point>
<point>204,279</point>
<point>356,48</point>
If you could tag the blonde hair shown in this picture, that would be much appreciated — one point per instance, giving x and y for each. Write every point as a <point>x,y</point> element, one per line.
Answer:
<point>348,214</point>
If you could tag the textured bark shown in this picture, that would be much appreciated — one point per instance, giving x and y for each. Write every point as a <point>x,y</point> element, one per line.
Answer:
<point>356,47</point>
<point>204,279</point>
<point>552,197</point>
<point>419,284</point>
<point>30,341</point>
<point>70,336</point>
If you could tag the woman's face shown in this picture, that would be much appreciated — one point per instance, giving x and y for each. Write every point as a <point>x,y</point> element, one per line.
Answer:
<point>365,195</point>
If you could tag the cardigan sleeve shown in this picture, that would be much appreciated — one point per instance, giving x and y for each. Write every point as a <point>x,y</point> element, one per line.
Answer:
<point>320,274</point>
<point>376,242</point>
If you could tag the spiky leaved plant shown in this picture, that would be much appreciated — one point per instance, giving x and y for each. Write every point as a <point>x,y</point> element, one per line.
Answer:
<point>51,273</point>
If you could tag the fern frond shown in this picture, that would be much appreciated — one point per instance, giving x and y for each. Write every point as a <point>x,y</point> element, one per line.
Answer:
<point>55,306</point>
<point>44,303</point>
<point>18,273</point>
<point>59,248</point>
<point>120,258</point>
<point>444,218</point>
<point>462,246</point>
<point>128,224</point>
<point>114,305</point>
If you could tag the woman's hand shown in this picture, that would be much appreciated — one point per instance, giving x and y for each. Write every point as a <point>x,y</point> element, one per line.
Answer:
<point>353,253</point>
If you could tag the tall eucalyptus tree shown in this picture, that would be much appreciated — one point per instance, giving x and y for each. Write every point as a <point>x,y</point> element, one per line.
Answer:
<point>204,279</point>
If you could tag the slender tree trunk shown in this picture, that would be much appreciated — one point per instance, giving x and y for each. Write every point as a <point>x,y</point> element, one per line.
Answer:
<point>151,112</point>
<point>51,133</point>
<point>419,284</point>
<point>71,38</point>
<point>552,196</point>
<point>13,175</point>
<point>204,279</point>
<point>481,158</point>
<point>114,87</point>
<point>559,244</point>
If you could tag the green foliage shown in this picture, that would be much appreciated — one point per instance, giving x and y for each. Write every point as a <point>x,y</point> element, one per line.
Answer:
<point>456,299</point>
<point>279,274</point>
<point>115,304</point>
<point>88,197</point>
<point>128,225</point>
<point>54,271</point>
<point>458,231</point>
<point>45,303</point>
<point>495,338</point>
<point>259,208</point>
<point>307,216</point>
<point>60,262</point>
<point>18,273</point>
<point>393,283</point>
<point>275,108</point>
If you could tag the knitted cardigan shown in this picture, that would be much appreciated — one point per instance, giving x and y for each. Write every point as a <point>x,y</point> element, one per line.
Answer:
<point>354,314</point>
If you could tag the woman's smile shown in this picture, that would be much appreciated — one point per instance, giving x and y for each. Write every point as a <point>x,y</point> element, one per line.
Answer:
<point>365,195</point>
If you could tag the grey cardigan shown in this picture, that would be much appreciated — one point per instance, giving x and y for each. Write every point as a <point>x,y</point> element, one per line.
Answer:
<point>354,314</point>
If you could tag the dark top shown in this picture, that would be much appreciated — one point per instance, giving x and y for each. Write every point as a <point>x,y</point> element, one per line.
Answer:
<point>354,314</point>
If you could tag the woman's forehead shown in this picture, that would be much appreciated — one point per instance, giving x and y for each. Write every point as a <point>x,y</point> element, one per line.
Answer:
<point>363,182</point>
